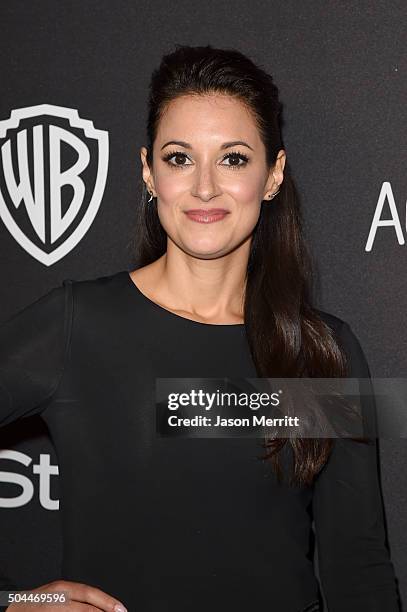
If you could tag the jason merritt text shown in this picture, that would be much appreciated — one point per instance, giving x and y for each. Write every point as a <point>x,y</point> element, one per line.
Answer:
<point>262,421</point>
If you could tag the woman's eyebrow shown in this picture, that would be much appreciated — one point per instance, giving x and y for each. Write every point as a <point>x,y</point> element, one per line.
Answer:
<point>225,145</point>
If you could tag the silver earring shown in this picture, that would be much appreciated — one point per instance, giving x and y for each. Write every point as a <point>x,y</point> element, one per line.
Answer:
<point>274,194</point>
<point>151,196</point>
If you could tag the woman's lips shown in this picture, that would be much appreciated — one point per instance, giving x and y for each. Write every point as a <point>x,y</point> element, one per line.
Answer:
<point>206,216</point>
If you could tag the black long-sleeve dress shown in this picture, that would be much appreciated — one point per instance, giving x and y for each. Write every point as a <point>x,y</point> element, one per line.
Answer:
<point>170,525</point>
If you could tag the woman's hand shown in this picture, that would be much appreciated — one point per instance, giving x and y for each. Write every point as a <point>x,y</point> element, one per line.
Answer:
<point>79,598</point>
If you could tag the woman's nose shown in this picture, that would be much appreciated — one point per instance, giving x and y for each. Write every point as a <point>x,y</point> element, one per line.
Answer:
<point>205,185</point>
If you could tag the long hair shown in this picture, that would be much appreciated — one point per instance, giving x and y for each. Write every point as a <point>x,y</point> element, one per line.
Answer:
<point>286,337</point>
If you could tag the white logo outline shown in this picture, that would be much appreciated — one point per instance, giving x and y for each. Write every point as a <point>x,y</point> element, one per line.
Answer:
<point>90,131</point>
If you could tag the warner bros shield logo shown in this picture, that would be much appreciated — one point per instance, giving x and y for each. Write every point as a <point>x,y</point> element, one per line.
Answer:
<point>53,174</point>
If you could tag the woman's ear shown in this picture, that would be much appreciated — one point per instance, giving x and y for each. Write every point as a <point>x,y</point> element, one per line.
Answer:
<point>278,168</point>
<point>276,175</point>
<point>147,175</point>
<point>280,162</point>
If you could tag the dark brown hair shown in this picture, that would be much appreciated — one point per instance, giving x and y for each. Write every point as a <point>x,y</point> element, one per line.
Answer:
<point>286,336</point>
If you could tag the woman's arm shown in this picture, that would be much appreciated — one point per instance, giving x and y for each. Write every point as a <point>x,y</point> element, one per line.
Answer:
<point>33,346</point>
<point>33,350</point>
<point>354,562</point>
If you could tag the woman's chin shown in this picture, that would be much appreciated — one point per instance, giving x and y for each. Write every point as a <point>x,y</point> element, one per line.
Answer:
<point>206,251</point>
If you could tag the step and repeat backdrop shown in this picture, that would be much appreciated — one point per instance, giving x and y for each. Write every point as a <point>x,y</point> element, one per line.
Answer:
<point>74,86</point>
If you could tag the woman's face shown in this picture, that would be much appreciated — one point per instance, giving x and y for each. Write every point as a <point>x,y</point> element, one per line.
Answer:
<point>196,167</point>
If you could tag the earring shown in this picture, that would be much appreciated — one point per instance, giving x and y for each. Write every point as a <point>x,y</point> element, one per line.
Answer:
<point>273,195</point>
<point>151,196</point>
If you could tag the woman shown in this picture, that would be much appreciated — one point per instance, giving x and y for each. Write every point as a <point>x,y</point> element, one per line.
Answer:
<point>220,289</point>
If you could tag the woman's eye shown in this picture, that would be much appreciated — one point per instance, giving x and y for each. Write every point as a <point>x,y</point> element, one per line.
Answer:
<point>178,156</point>
<point>236,158</point>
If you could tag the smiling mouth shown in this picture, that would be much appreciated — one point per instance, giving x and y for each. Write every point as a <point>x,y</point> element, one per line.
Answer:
<point>202,215</point>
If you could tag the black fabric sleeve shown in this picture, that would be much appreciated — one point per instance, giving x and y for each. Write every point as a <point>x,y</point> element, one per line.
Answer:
<point>354,562</point>
<point>33,345</point>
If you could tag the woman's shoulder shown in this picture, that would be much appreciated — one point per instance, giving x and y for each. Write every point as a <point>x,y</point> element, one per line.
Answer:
<point>98,291</point>
<point>96,283</point>
<point>349,340</point>
<point>333,321</point>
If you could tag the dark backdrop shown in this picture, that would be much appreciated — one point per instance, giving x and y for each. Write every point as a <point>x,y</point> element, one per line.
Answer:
<point>341,71</point>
